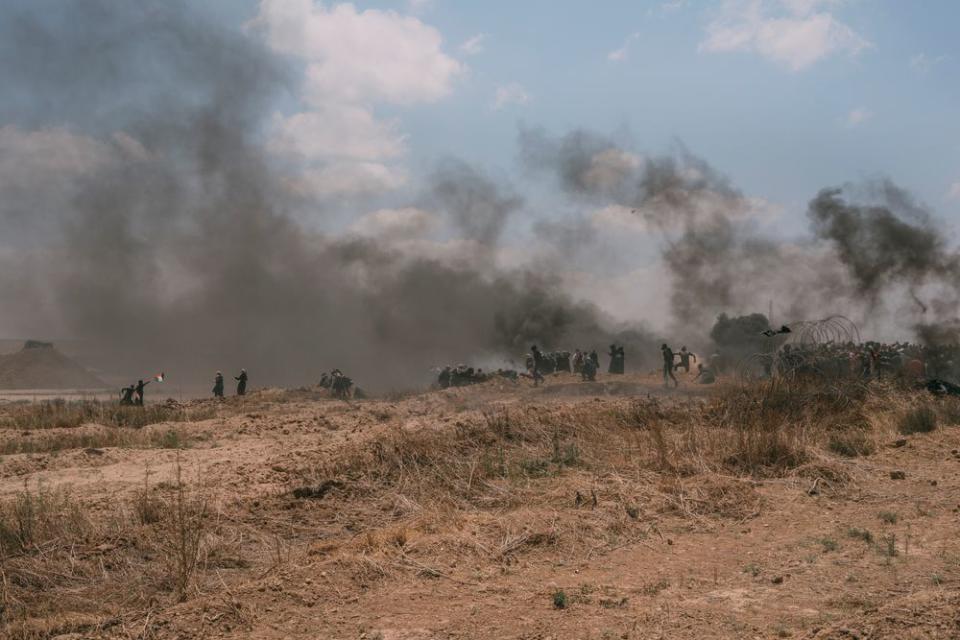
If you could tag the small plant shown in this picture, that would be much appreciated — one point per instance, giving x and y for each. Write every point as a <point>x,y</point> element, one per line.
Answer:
<point>850,444</point>
<point>888,546</point>
<point>919,420</point>
<point>535,468</point>
<point>633,511</point>
<point>752,569</point>
<point>654,588</point>
<point>937,579</point>
<point>829,544</point>
<point>170,439</point>
<point>559,599</point>
<point>888,517</point>
<point>860,534</point>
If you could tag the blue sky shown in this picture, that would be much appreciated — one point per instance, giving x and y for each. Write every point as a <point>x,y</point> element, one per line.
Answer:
<point>890,107</point>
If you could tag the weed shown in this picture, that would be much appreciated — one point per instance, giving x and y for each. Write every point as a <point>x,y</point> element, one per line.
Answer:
<point>186,529</point>
<point>535,468</point>
<point>860,534</point>
<point>921,419</point>
<point>850,444</point>
<point>829,544</point>
<point>888,517</point>
<point>937,579</point>
<point>559,599</point>
<point>888,546</point>
<point>654,588</point>
<point>752,569</point>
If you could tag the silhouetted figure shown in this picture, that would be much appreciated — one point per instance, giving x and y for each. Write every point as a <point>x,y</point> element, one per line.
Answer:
<point>668,358</point>
<point>588,371</point>
<point>537,365</point>
<point>612,367</point>
<point>241,382</point>
<point>218,386</point>
<point>140,385</point>
<point>126,396</point>
<point>685,359</point>
<point>595,359</point>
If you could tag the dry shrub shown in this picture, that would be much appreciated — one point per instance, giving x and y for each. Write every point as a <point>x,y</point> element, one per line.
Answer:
<point>949,410</point>
<point>851,443</point>
<point>921,419</point>
<point>64,560</point>
<point>710,495</point>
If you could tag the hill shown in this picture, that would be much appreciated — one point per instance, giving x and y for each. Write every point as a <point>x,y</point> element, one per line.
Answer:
<point>39,365</point>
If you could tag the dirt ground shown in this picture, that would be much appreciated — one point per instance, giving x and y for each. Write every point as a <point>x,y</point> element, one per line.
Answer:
<point>854,551</point>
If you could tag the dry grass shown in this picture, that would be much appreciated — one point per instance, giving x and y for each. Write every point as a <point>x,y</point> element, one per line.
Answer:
<point>104,563</point>
<point>100,437</point>
<point>497,482</point>
<point>59,414</point>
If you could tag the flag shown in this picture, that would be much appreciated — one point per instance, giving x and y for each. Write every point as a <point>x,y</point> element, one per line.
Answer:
<point>159,377</point>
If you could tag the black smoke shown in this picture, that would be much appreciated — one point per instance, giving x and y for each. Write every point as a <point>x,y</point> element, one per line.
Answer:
<point>174,247</point>
<point>873,252</point>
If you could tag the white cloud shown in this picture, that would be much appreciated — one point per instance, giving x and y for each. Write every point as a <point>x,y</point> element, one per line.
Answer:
<point>954,192</point>
<point>347,178</point>
<point>673,5</point>
<point>337,131</point>
<point>473,45</point>
<point>793,33</point>
<point>353,60</point>
<point>619,55</point>
<point>858,116</point>
<point>508,94</point>
<point>358,56</point>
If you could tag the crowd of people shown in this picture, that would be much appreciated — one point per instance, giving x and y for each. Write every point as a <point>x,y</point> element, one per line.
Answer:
<point>867,360</point>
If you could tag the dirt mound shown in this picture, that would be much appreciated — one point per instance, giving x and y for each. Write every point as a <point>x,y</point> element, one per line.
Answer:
<point>40,366</point>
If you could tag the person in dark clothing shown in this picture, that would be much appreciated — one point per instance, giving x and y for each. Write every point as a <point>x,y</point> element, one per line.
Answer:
<point>685,359</point>
<point>613,353</point>
<point>126,396</point>
<point>537,365</point>
<point>668,358</point>
<point>241,382</point>
<point>621,360</point>
<point>588,371</point>
<point>595,359</point>
<point>140,385</point>
<point>218,386</point>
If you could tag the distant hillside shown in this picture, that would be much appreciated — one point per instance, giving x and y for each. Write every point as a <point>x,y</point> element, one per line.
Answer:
<point>39,365</point>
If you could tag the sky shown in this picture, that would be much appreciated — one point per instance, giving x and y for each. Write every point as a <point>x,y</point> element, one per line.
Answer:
<point>779,98</point>
<point>782,96</point>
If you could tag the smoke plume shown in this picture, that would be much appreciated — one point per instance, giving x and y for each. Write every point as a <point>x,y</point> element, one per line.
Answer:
<point>877,262</point>
<point>168,242</point>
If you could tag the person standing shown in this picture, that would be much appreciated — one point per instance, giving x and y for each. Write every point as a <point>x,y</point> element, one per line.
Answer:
<point>140,385</point>
<point>595,359</point>
<point>685,359</point>
<point>668,358</point>
<point>218,386</point>
<point>241,382</point>
<point>537,365</point>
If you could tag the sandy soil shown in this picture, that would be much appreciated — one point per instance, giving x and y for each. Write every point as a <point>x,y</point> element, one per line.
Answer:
<point>787,564</point>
